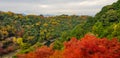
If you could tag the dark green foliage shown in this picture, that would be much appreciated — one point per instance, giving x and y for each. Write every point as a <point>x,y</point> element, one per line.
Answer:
<point>108,20</point>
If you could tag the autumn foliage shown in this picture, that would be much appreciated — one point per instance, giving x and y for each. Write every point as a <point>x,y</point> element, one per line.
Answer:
<point>92,47</point>
<point>43,52</point>
<point>87,47</point>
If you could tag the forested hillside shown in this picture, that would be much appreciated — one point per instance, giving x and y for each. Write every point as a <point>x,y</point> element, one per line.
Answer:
<point>63,36</point>
<point>25,32</point>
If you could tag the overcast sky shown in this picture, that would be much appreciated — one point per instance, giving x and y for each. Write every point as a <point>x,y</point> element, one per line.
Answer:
<point>54,7</point>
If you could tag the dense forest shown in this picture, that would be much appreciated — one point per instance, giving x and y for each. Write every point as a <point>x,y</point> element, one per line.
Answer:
<point>63,36</point>
<point>29,31</point>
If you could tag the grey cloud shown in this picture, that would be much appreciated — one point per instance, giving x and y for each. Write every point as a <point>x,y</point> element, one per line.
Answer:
<point>41,1</point>
<point>56,7</point>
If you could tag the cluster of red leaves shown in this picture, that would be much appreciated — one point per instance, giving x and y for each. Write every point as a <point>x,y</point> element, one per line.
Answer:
<point>43,52</point>
<point>87,47</point>
<point>92,47</point>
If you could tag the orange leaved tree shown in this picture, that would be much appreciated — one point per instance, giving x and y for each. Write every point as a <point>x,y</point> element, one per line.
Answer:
<point>43,52</point>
